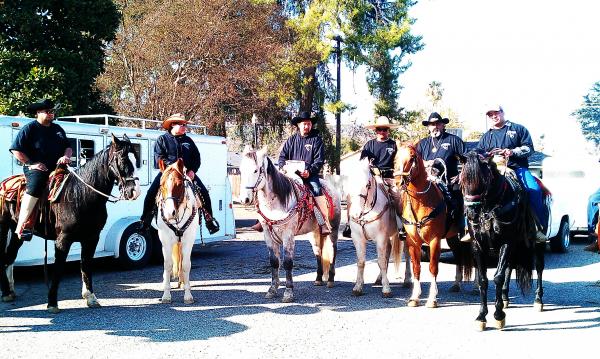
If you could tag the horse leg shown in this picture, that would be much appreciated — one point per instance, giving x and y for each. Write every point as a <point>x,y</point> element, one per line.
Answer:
<point>87,289</point>
<point>274,260</point>
<point>482,280</point>
<point>288,265</point>
<point>454,243</point>
<point>499,278</point>
<point>186,268</point>
<point>388,254</point>
<point>360,244</point>
<point>383,258</point>
<point>434,259</point>
<point>315,244</point>
<point>333,237</point>
<point>167,251</point>
<point>540,263</point>
<point>407,283</point>
<point>61,250</point>
<point>506,287</point>
<point>6,278</point>
<point>415,255</point>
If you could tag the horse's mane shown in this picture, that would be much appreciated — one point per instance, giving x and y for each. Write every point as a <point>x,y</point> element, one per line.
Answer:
<point>282,187</point>
<point>95,173</point>
<point>473,177</point>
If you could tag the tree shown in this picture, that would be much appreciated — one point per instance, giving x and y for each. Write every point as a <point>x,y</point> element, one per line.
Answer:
<point>435,92</point>
<point>54,49</point>
<point>208,59</point>
<point>589,114</point>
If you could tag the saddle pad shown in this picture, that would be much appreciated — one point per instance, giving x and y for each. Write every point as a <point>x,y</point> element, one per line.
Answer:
<point>12,187</point>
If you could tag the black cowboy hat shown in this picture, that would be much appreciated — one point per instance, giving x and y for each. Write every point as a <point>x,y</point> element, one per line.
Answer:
<point>44,104</point>
<point>434,117</point>
<point>303,115</point>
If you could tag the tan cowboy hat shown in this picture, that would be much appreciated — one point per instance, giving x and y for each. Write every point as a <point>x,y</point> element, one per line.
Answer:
<point>381,121</point>
<point>175,118</point>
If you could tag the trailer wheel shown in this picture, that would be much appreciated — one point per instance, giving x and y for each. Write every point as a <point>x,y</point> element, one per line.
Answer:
<point>135,248</point>
<point>560,243</point>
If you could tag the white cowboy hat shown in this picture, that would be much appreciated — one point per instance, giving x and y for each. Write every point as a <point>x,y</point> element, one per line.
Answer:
<point>381,121</point>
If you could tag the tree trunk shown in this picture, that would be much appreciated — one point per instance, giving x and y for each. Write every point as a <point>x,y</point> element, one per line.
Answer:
<point>308,92</point>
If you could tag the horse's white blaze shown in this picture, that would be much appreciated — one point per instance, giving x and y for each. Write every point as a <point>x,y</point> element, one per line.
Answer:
<point>136,191</point>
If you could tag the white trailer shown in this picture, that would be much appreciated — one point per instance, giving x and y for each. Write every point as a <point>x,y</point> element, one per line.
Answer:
<point>119,238</point>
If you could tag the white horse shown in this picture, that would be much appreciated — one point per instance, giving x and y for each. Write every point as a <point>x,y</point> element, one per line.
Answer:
<point>287,209</point>
<point>372,216</point>
<point>178,208</point>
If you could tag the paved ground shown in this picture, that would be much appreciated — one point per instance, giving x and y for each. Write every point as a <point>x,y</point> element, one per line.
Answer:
<point>231,317</point>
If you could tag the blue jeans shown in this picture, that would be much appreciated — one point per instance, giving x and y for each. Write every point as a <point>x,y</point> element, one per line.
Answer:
<point>535,195</point>
<point>314,185</point>
<point>592,210</point>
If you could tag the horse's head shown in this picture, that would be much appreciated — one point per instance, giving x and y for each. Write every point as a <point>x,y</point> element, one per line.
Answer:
<point>253,168</point>
<point>172,188</point>
<point>121,159</point>
<point>407,164</point>
<point>361,177</point>
<point>475,179</point>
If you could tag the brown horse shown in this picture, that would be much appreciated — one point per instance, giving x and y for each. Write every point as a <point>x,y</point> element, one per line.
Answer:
<point>426,220</point>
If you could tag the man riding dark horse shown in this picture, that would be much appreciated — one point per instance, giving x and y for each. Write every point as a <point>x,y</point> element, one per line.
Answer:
<point>40,145</point>
<point>169,147</point>
<point>441,152</point>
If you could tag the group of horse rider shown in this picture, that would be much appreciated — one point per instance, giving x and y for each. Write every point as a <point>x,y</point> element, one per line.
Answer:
<point>41,145</point>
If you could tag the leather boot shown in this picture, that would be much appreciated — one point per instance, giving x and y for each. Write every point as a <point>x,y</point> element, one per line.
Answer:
<point>257,227</point>
<point>211,223</point>
<point>27,206</point>
<point>322,204</point>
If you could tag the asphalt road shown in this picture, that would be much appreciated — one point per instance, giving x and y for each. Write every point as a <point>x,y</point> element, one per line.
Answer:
<point>231,317</point>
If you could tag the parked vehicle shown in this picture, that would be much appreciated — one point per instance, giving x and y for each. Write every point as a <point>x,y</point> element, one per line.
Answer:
<point>120,238</point>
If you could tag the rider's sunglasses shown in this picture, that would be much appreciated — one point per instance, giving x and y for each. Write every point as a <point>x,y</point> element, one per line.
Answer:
<point>50,111</point>
<point>382,129</point>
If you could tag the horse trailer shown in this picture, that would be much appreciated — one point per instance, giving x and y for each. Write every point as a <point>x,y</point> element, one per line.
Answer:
<point>120,238</point>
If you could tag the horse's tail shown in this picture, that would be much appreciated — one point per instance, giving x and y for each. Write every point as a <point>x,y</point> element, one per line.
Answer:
<point>177,256</point>
<point>397,250</point>
<point>523,260</point>
<point>327,253</point>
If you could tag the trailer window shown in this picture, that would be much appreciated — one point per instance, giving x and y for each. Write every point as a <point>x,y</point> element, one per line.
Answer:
<point>138,154</point>
<point>83,151</point>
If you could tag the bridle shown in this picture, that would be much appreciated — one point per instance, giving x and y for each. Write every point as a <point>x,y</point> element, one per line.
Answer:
<point>175,227</point>
<point>406,177</point>
<point>261,175</point>
<point>121,181</point>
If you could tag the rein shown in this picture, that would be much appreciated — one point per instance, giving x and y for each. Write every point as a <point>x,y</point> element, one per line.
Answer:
<point>177,230</point>
<point>360,218</point>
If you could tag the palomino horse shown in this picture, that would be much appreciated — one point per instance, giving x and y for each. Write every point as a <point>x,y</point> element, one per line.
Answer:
<point>424,214</point>
<point>78,215</point>
<point>372,216</point>
<point>178,208</point>
<point>286,209</point>
<point>501,225</point>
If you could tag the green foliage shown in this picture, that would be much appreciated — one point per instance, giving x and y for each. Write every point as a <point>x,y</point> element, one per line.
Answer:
<point>350,145</point>
<point>54,49</point>
<point>589,114</point>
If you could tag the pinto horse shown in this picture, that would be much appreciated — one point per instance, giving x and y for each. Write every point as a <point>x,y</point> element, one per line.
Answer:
<point>372,216</point>
<point>177,223</point>
<point>286,209</point>
<point>77,215</point>
<point>501,225</point>
<point>426,220</point>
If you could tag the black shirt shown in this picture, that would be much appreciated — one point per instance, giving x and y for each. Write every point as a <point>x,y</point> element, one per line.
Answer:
<point>309,149</point>
<point>45,144</point>
<point>381,154</point>
<point>447,147</point>
<point>170,148</point>
<point>511,136</point>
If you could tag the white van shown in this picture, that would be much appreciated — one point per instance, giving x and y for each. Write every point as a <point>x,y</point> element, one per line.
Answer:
<point>119,237</point>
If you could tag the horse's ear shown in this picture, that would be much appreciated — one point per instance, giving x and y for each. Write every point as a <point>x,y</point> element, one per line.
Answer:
<point>161,165</point>
<point>126,138</point>
<point>247,149</point>
<point>114,139</point>
<point>180,165</point>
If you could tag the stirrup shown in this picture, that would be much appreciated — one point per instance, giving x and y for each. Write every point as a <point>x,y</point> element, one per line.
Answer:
<point>466,238</point>
<point>540,237</point>
<point>26,235</point>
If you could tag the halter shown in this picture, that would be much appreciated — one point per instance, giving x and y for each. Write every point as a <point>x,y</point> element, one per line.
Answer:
<point>178,230</point>
<point>261,174</point>
<point>360,218</point>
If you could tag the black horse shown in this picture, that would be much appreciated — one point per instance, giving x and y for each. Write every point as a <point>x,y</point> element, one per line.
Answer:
<point>78,215</point>
<point>502,225</point>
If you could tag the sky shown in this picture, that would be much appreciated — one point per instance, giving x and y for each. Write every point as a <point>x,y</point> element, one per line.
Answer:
<point>536,58</point>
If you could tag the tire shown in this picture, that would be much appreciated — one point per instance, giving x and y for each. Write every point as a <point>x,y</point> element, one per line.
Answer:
<point>560,243</point>
<point>135,248</point>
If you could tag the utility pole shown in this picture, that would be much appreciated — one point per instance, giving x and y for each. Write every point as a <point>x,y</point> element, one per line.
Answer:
<point>255,132</point>
<point>338,115</point>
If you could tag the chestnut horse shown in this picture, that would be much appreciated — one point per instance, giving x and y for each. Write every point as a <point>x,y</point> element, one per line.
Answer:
<point>286,211</point>
<point>502,225</point>
<point>177,221</point>
<point>426,220</point>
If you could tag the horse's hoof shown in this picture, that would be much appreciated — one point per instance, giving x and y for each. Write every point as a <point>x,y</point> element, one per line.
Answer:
<point>287,298</point>
<point>479,326</point>
<point>386,294</point>
<point>407,285</point>
<point>505,304</point>
<point>329,284</point>
<point>455,288</point>
<point>271,294</point>
<point>500,324</point>
<point>188,301</point>
<point>357,292</point>
<point>53,310</point>
<point>413,303</point>
<point>432,304</point>
<point>9,298</point>
<point>165,300</point>
<point>539,307</point>
<point>318,283</point>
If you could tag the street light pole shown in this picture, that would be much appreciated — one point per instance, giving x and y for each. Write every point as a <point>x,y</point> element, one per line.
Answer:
<point>255,128</point>
<point>338,118</point>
